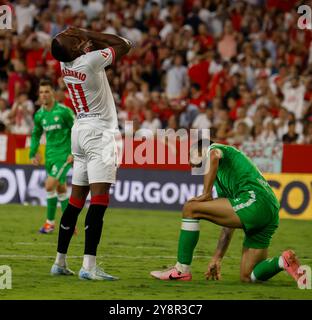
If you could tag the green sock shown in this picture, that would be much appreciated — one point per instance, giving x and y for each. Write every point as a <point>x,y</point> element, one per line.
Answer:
<point>51,203</point>
<point>63,198</point>
<point>266,269</point>
<point>189,236</point>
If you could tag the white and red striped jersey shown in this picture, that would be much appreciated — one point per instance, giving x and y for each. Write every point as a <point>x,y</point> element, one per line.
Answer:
<point>89,89</point>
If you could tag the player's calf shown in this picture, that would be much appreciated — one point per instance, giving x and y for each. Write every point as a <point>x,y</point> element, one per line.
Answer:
<point>268,268</point>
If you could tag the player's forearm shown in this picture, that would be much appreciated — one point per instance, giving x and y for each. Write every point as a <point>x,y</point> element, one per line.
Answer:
<point>107,40</point>
<point>35,142</point>
<point>34,146</point>
<point>224,241</point>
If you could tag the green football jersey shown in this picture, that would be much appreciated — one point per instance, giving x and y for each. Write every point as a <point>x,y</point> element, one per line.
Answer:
<point>237,174</point>
<point>56,124</point>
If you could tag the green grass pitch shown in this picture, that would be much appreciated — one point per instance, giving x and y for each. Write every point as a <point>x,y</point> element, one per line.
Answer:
<point>134,242</point>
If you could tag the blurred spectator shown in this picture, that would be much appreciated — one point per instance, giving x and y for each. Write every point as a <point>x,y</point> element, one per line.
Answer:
<point>308,133</point>
<point>92,8</point>
<point>21,121</point>
<point>292,136</point>
<point>256,133</point>
<point>18,81</point>
<point>129,31</point>
<point>35,78</point>
<point>293,92</point>
<point>4,112</point>
<point>177,79</point>
<point>203,120</point>
<point>227,45</point>
<point>5,48</point>
<point>240,135</point>
<point>25,12</point>
<point>269,134</point>
<point>151,122</point>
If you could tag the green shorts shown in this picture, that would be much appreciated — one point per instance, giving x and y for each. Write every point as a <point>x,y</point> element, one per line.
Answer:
<point>58,169</point>
<point>259,218</point>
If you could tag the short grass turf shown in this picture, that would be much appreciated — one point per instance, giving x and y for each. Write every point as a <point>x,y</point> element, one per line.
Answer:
<point>134,242</point>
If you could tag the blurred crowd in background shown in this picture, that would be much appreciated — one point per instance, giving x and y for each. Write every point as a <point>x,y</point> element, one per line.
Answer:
<point>243,69</point>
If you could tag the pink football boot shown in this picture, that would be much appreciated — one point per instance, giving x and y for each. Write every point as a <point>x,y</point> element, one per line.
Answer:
<point>172,274</point>
<point>291,264</point>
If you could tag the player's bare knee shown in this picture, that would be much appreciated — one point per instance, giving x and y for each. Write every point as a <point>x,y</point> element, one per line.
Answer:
<point>187,211</point>
<point>61,188</point>
<point>50,187</point>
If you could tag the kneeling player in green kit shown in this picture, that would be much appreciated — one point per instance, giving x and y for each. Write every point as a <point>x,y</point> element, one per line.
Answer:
<point>245,201</point>
<point>56,121</point>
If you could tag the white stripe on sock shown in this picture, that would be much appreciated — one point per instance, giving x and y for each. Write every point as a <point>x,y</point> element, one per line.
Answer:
<point>190,225</point>
<point>281,262</point>
<point>183,267</point>
<point>253,277</point>
<point>51,194</point>
<point>62,196</point>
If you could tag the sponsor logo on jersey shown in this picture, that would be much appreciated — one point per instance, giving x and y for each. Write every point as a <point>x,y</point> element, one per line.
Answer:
<point>52,127</point>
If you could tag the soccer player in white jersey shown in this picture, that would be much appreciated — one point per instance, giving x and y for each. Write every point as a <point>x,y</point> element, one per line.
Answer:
<point>84,56</point>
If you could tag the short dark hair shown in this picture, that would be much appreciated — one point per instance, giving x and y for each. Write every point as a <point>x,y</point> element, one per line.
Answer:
<point>46,82</point>
<point>204,142</point>
<point>201,144</point>
<point>59,52</point>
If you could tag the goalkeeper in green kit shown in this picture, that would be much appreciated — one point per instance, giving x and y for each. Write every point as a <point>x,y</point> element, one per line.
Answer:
<point>56,120</point>
<point>245,201</point>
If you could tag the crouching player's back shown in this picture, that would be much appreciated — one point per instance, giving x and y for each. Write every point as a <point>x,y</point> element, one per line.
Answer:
<point>250,195</point>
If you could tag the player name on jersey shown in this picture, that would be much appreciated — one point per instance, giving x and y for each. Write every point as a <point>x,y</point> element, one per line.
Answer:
<point>71,73</point>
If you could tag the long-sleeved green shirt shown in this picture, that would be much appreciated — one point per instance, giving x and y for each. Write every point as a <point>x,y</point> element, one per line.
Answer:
<point>56,124</point>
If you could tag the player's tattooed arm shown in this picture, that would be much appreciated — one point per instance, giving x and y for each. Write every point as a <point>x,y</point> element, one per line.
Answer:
<point>224,241</point>
<point>214,266</point>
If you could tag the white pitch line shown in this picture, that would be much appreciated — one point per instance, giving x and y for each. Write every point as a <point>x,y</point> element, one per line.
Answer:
<point>42,244</point>
<point>35,257</point>
<point>80,245</point>
<point>38,257</point>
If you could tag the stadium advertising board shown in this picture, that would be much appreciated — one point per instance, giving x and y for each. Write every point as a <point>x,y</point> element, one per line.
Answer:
<point>294,192</point>
<point>154,189</point>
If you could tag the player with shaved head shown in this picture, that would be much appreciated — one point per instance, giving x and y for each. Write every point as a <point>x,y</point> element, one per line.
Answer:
<point>84,56</point>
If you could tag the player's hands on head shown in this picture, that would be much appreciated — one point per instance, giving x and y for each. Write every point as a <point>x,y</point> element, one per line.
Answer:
<point>76,32</point>
<point>214,270</point>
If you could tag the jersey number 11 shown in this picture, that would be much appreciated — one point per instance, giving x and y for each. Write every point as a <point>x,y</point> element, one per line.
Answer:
<point>76,92</point>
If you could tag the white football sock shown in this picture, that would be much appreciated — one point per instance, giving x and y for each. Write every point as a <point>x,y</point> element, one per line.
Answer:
<point>89,261</point>
<point>60,259</point>
<point>183,267</point>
